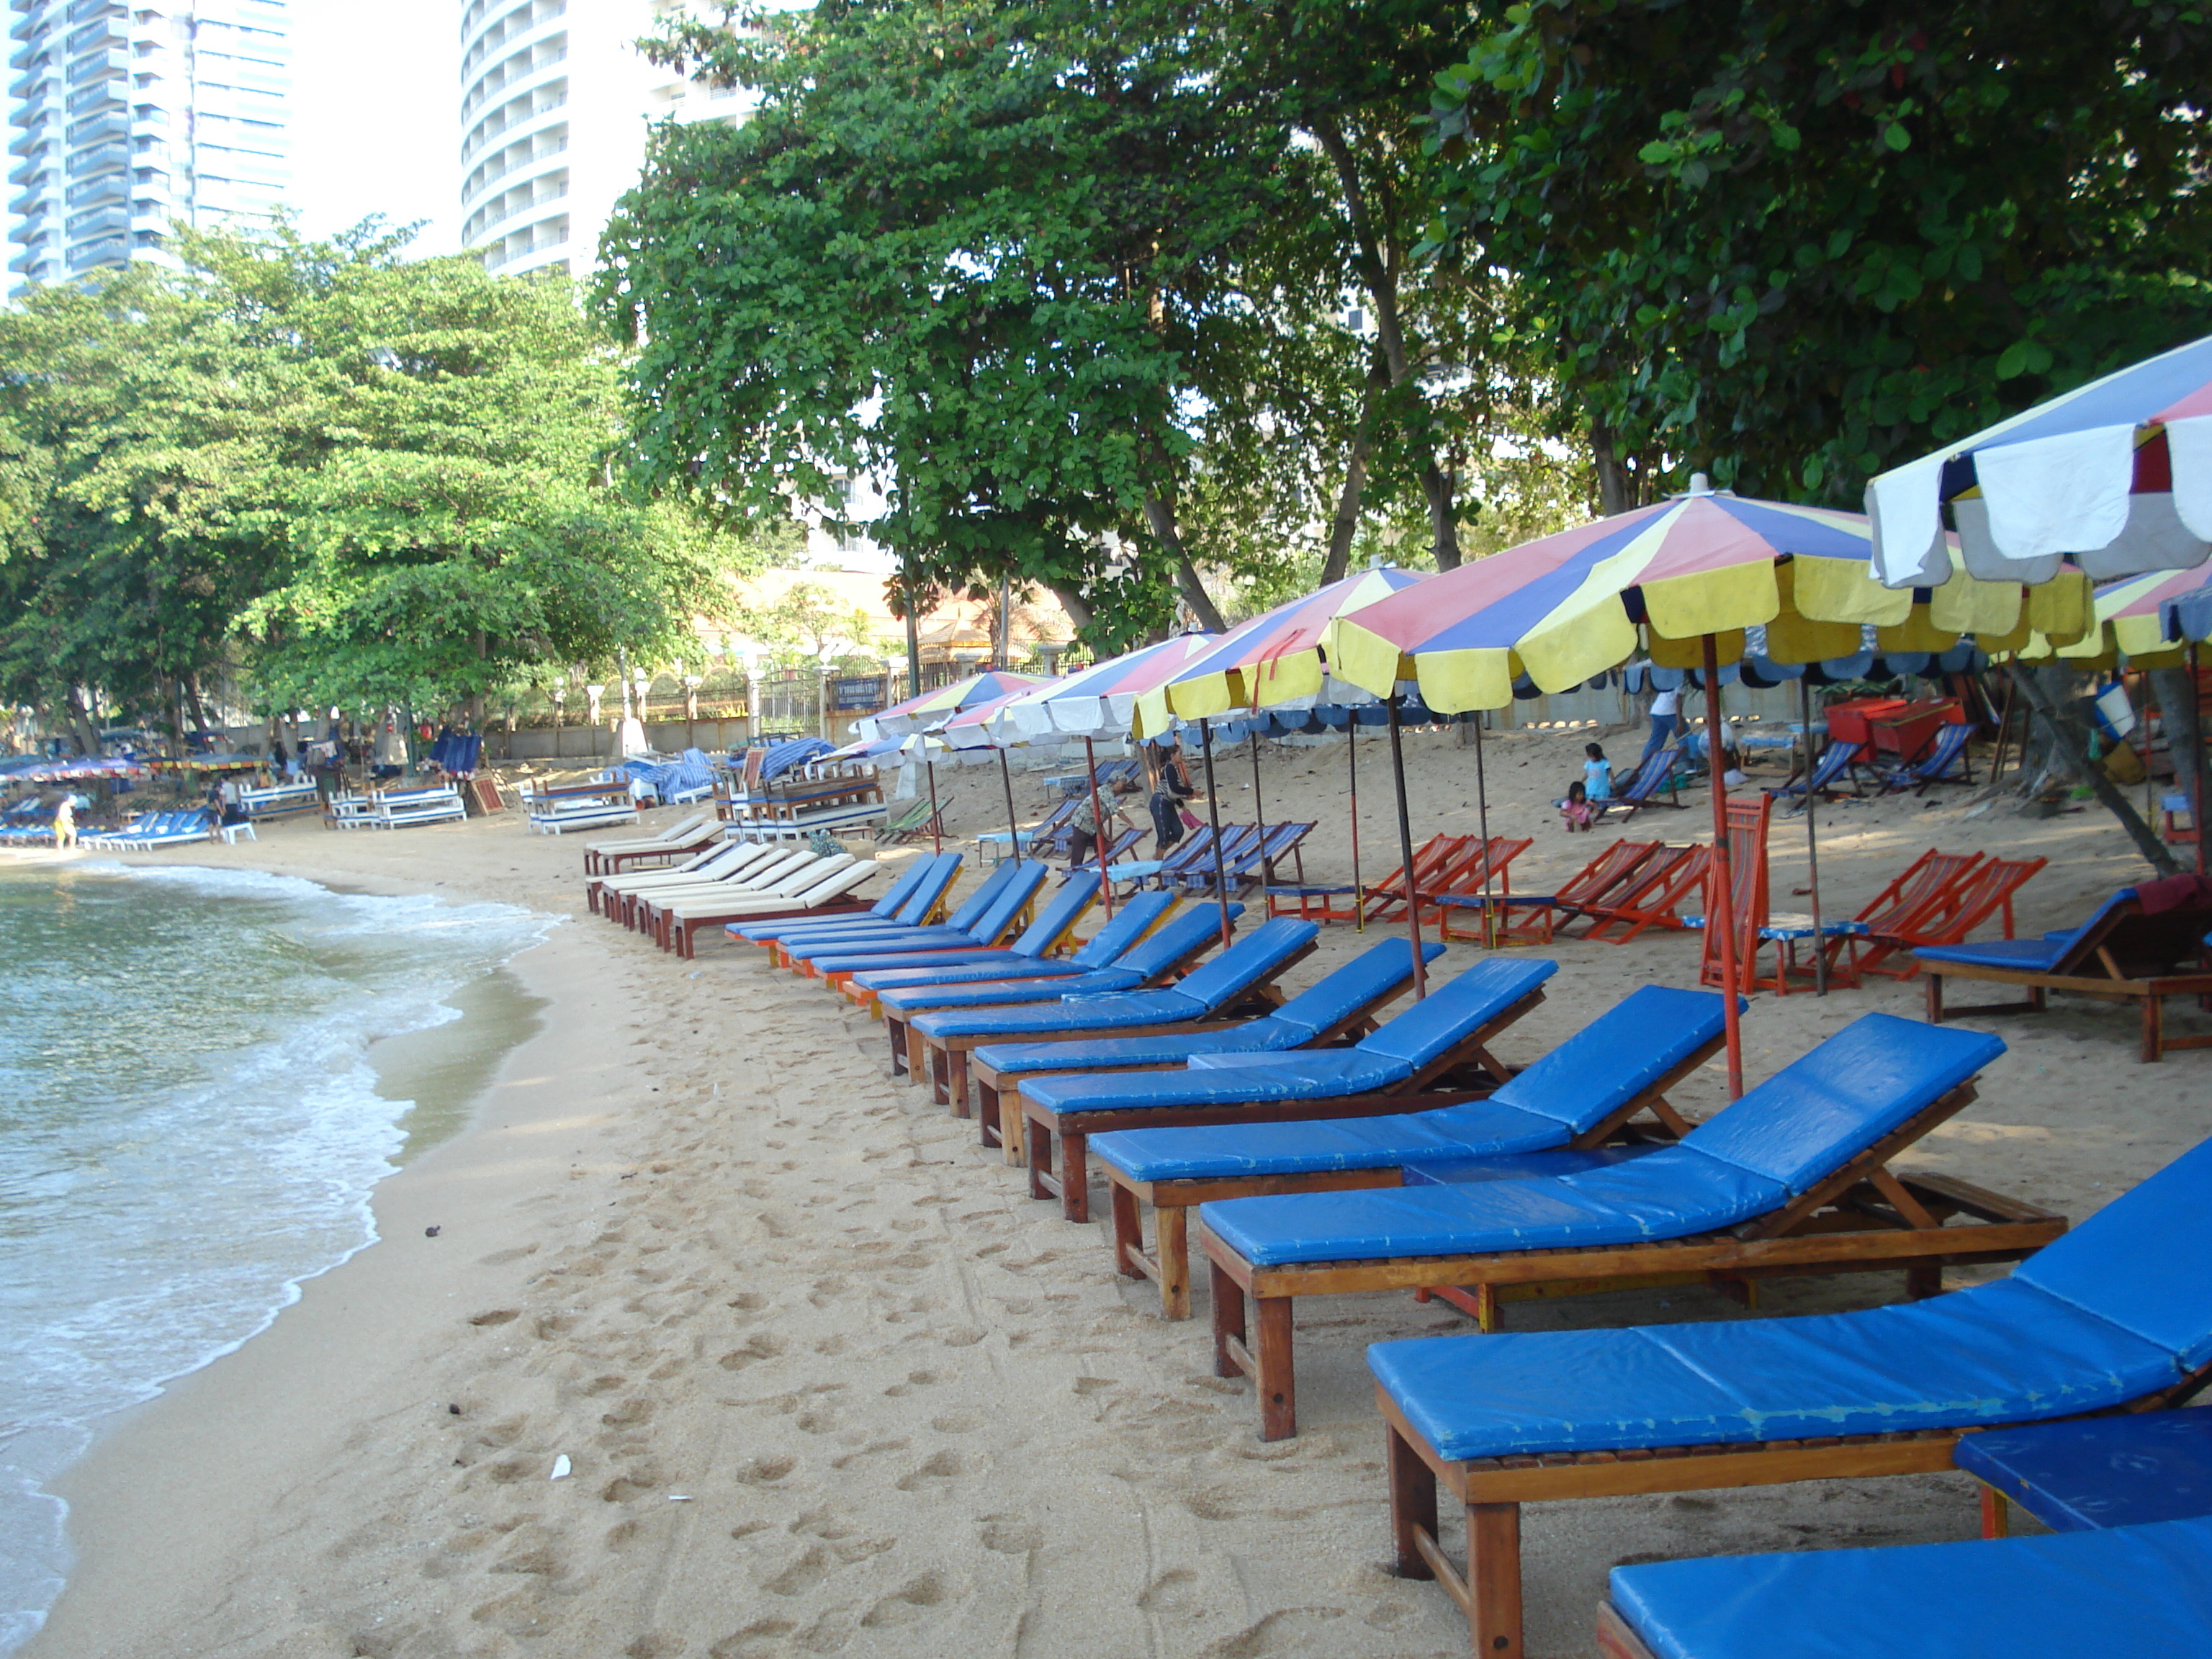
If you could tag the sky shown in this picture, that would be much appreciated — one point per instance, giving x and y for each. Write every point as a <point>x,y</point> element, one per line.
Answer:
<point>374,113</point>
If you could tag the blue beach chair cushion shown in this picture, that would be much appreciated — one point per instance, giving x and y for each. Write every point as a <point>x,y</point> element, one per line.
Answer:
<point>1073,898</point>
<point>2033,955</point>
<point>1130,920</point>
<point>1382,1059</point>
<point>1781,1138</point>
<point>2142,1591</point>
<point>2116,1309</point>
<point>1138,966</point>
<point>1575,1087</point>
<point>908,900</point>
<point>992,907</point>
<point>1249,962</point>
<point>1335,998</point>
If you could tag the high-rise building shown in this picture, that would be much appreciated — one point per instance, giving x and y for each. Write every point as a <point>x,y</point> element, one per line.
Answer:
<point>128,120</point>
<point>556,99</point>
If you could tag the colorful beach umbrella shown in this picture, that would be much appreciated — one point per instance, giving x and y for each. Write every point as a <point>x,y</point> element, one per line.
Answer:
<point>930,707</point>
<point>1100,701</point>
<point>2133,618</point>
<point>1565,608</point>
<point>2115,474</point>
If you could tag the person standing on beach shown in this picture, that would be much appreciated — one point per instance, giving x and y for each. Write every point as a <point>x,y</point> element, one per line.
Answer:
<point>1666,711</point>
<point>65,822</point>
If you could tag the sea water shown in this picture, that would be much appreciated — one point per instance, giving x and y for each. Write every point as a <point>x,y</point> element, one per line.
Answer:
<point>189,1127</point>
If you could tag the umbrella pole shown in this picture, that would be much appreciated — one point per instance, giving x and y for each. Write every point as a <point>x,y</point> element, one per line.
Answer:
<point>1006,777</point>
<point>1213,814</point>
<point>1405,850</point>
<point>1482,822</point>
<point>1721,913</point>
<point>1260,812</point>
<point>936,824</point>
<point>1352,766</point>
<point>2196,760</point>
<point>1812,844</point>
<point>1105,882</point>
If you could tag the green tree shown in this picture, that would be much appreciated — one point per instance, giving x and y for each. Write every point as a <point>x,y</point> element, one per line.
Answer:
<point>1792,245</point>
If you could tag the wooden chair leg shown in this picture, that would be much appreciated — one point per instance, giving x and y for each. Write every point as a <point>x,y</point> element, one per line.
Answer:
<point>1274,1374</point>
<point>900,1036</point>
<point>1996,1514</point>
<point>1171,1242</point>
<point>1228,1322</point>
<point>987,1115</point>
<point>1924,1279</point>
<point>956,1081</point>
<point>1128,1232</point>
<point>1934,983</point>
<point>1074,1176</point>
<point>1039,1138</point>
<point>1013,1128</point>
<point>1412,1505</point>
<point>934,1058</point>
<point>2154,1028</point>
<point>1493,1579</point>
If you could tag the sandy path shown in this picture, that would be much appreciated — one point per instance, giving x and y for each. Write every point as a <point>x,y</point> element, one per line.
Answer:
<point>829,1382</point>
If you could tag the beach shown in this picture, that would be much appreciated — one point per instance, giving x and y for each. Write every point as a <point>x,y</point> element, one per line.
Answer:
<point>824,1379</point>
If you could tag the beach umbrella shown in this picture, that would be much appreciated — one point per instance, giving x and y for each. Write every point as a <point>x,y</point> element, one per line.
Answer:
<point>918,713</point>
<point>972,742</point>
<point>2117,474</point>
<point>1275,660</point>
<point>1682,580</point>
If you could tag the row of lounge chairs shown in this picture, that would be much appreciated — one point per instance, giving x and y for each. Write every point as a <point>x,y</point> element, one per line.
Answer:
<point>152,829</point>
<point>734,881</point>
<point>1447,873</point>
<point>396,809</point>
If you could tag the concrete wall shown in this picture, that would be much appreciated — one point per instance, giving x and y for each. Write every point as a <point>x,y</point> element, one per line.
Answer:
<point>582,743</point>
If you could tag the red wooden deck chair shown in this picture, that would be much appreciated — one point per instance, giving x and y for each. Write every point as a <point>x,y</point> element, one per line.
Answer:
<point>1652,896</point>
<point>1748,899</point>
<point>1430,858</point>
<point>1461,893</point>
<point>1946,919</point>
<point>1891,911</point>
<point>1528,920</point>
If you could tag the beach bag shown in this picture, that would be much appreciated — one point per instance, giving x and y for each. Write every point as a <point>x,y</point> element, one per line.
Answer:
<point>1190,819</point>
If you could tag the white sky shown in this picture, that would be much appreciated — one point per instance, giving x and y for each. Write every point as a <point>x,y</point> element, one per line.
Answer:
<point>375,105</point>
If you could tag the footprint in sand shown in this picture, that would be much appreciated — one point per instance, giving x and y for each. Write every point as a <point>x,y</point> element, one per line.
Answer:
<point>939,1467</point>
<point>910,1601</point>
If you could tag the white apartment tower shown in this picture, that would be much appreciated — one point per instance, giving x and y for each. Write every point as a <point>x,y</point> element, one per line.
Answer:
<point>555,102</point>
<point>129,118</point>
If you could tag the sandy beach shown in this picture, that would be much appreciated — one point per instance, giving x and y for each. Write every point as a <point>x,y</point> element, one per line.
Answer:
<point>828,1382</point>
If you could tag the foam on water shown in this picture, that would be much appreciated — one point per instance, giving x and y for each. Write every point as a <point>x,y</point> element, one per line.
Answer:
<point>189,1129</point>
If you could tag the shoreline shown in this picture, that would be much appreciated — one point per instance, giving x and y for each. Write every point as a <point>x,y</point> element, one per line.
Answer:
<point>447,1071</point>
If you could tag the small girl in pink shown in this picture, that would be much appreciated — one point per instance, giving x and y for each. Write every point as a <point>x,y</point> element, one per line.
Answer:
<point>1576,808</point>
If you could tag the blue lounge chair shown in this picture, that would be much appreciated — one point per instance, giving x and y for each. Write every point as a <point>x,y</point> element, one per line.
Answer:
<point>1129,954</point>
<point>1240,982</point>
<point>1763,1186</point>
<point>1437,1045</point>
<point>1048,932</point>
<point>835,962</point>
<point>1645,784</point>
<point>1022,961</point>
<point>1344,1003</point>
<point>910,901</point>
<point>796,950</point>
<point>2117,1316</point>
<point>1555,1116</point>
<point>2142,1591</point>
<point>2122,952</point>
<point>1837,760</point>
<point>1946,762</point>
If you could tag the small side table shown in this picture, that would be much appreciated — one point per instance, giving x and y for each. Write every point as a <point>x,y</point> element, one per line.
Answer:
<point>2095,1472</point>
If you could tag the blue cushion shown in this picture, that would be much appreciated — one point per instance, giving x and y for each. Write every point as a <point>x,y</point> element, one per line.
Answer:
<point>1252,960</point>
<point>2044,954</point>
<point>2140,1260</point>
<point>1110,1053</point>
<point>1617,1056</point>
<point>940,873</point>
<point>1012,900</point>
<point>1337,996</point>
<point>907,960</point>
<point>1097,981</point>
<point>1176,939</point>
<point>1996,1353</point>
<point>970,969</point>
<point>1132,920</point>
<point>1070,1013</point>
<point>878,944</point>
<point>1824,1108</point>
<point>1060,913</point>
<point>2120,1470</point>
<point>1456,1009</point>
<point>2145,1592</point>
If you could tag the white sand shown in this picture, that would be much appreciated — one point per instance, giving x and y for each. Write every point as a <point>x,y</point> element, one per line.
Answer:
<point>829,1382</point>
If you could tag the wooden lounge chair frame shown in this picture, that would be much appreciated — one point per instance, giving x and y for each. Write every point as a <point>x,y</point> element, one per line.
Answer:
<point>1167,1265</point>
<point>944,1061</point>
<point>1493,861</point>
<point>1860,1217</point>
<point>1604,875</point>
<point>1749,902</point>
<point>1492,1490</point>
<point>2124,954</point>
<point>1653,896</point>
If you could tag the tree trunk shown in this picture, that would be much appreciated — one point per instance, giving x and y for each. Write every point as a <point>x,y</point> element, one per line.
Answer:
<point>1378,268</point>
<point>2045,761</point>
<point>2068,745</point>
<point>1614,494</point>
<point>1344,524</point>
<point>81,724</point>
<point>1161,517</point>
<point>1071,600</point>
<point>2184,735</point>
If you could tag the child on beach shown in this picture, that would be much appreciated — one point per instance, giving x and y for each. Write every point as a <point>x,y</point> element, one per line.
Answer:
<point>1597,772</point>
<point>1576,808</point>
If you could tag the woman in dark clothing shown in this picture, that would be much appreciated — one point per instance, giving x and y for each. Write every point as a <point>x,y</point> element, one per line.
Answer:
<point>1171,789</point>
